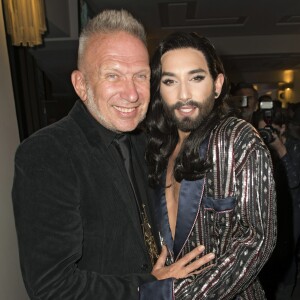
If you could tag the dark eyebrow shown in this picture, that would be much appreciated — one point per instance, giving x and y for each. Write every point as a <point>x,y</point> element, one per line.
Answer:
<point>167,74</point>
<point>197,71</point>
<point>190,72</point>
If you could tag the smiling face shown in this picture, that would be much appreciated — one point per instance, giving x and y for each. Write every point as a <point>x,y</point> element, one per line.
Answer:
<point>187,88</point>
<point>114,81</point>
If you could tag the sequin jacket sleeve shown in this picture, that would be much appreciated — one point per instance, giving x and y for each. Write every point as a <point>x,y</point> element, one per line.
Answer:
<point>243,236</point>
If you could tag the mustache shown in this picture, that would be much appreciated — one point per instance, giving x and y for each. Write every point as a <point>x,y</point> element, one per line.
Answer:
<point>190,102</point>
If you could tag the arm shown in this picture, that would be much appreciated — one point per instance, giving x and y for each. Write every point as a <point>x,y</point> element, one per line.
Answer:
<point>46,198</point>
<point>292,171</point>
<point>289,158</point>
<point>290,162</point>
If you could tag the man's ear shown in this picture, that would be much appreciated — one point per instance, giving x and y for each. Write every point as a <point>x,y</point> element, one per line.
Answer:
<point>79,84</point>
<point>218,84</point>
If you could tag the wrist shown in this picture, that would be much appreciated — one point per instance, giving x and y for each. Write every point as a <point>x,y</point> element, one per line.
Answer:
<point>281,151</point>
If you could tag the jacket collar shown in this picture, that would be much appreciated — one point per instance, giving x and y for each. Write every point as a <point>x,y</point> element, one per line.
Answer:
<point>190,197</point>
<point>94,131</point>
<point>101,140</point>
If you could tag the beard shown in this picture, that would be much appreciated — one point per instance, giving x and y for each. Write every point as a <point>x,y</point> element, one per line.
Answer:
<point>91,106</point>
<point>91,103</point>
<point>187,124</point>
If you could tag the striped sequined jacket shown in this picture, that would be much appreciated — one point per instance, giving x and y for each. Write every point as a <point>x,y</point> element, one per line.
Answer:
<point>232,212</point>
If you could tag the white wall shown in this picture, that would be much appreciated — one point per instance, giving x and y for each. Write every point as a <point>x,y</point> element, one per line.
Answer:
<point>11,283</point>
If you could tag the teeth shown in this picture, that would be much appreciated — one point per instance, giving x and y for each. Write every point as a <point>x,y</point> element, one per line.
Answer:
<point>186,109</point>
<point>124,109</point>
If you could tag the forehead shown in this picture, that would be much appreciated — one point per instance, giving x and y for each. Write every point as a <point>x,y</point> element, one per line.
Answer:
<point>120,47</point>
<point>183,60</point>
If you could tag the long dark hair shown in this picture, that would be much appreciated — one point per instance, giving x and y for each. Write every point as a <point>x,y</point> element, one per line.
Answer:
<point>162,131</point>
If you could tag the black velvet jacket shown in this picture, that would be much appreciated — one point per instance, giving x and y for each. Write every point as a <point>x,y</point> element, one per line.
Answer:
<point>77,223</point>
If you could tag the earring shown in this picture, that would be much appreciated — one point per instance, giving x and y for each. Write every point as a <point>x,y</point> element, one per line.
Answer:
<point>216,95</point>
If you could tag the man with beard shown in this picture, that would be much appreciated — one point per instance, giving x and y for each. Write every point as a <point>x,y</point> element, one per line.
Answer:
<point>213,176</point>
<point>83,231</point>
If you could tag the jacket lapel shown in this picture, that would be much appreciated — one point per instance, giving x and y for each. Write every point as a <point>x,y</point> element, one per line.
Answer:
<point>191,193</point>
<point>141,172</point>
<point>105,153</point>
<point>123,188</point>
<point>190,196</point>
<point>162,219</point>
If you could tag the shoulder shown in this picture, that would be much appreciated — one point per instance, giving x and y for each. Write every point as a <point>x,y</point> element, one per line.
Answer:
<point>234,126</point>
<point>237,140</point>
<point>238,132</point>
<point>56,139</point>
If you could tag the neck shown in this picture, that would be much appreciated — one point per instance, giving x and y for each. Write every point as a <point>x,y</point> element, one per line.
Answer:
<point>182,136</point>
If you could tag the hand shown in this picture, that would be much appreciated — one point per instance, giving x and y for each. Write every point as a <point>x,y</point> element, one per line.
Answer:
<point>181,268</point>
<point>278,146</point>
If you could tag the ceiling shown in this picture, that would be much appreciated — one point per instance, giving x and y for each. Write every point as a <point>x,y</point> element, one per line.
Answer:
<point>250,35</point>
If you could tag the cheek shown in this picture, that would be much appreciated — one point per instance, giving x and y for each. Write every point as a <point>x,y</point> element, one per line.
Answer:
<point>167,94</point>
<point>202,95</point>
<point>103,94</point>
<point>144,92</point>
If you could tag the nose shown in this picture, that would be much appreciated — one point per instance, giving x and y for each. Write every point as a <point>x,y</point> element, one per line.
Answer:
<point>130,92</point>
<point>184,92</point>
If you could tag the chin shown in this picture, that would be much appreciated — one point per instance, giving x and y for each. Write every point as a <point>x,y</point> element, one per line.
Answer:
<point>126,127</point>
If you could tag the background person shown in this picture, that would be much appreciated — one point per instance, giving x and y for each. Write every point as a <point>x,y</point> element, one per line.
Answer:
<point>280,273</point>
<point>248,90</point>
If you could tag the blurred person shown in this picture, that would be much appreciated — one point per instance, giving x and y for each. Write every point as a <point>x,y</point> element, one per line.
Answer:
<point>246,89</point>
<point>280,273</point>
<point>294,121</point>
<point>292,108</point>
<point>212,174</point>
<point>85,230</point>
